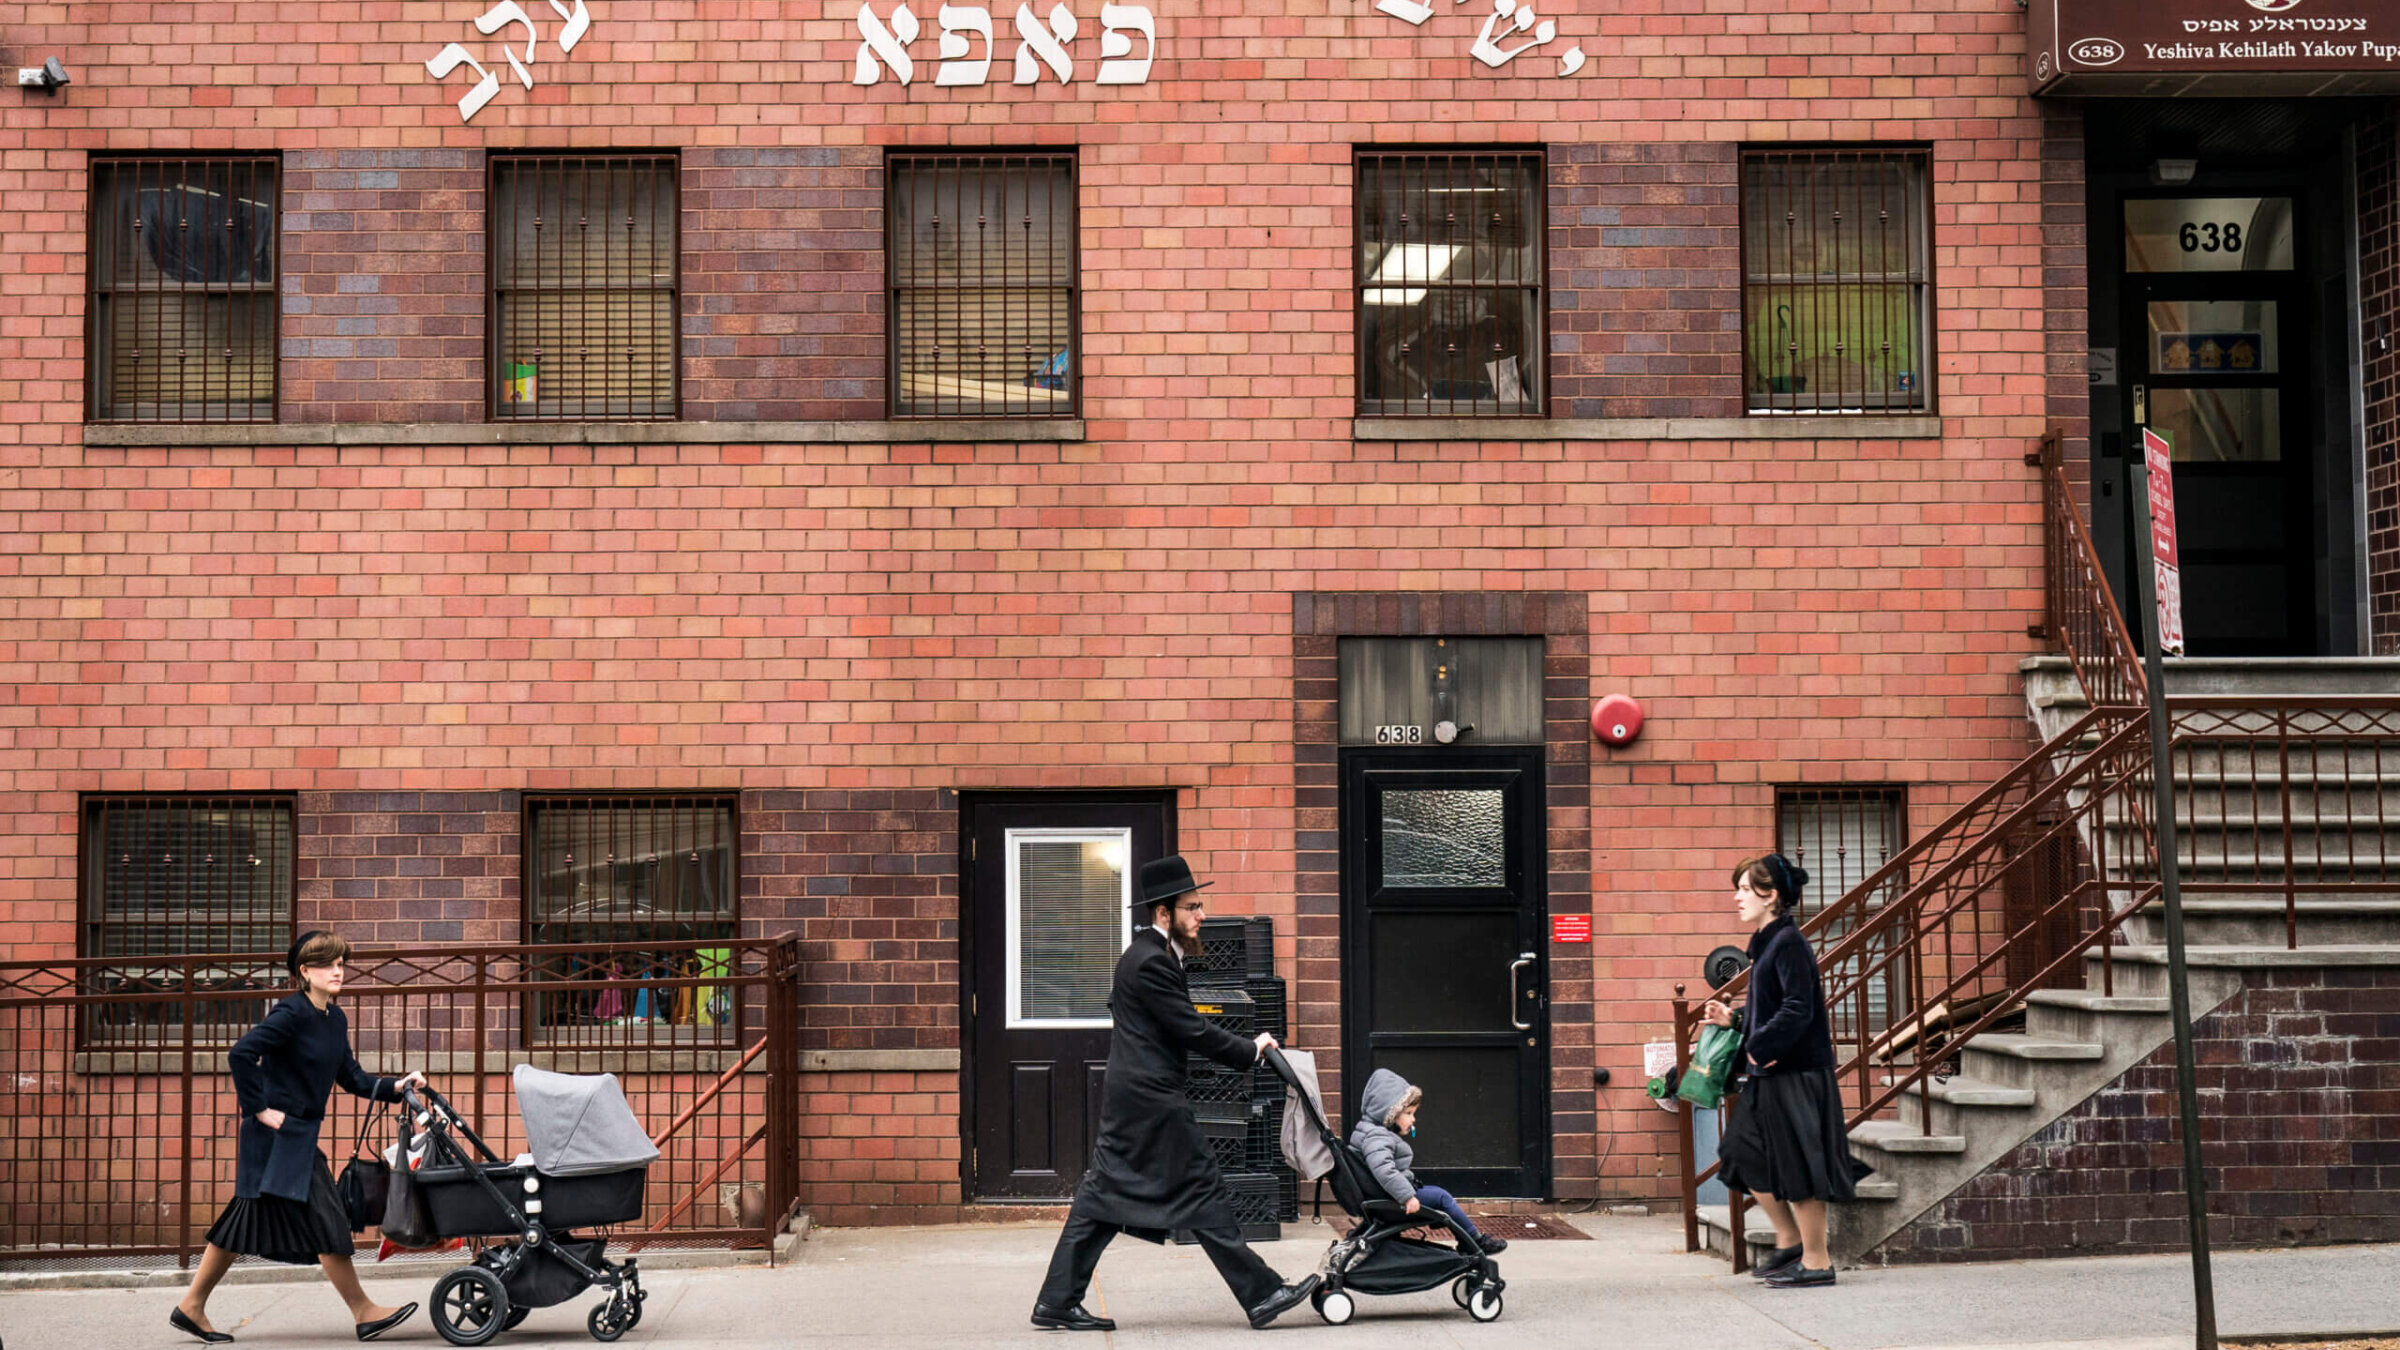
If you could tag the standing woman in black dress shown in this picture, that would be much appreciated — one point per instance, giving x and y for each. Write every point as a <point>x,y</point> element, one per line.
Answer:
<point>283,1205</point>
<point>1786,1145</point>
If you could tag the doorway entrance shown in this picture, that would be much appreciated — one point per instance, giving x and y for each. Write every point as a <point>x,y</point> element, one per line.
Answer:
<point>1444,980</point>
<point>2224,315</point>
<point>1049,881</point>
<point>2219,313</point>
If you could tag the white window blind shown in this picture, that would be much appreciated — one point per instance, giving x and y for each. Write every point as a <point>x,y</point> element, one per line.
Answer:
<point>1068,923</point>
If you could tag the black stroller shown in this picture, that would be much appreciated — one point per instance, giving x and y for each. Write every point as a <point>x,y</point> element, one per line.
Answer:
<point>588,1159</point>
<point>1373,1258</point>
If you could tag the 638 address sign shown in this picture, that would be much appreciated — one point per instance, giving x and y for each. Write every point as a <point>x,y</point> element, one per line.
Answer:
<point>2208,236</point>
<point>1399,735</point>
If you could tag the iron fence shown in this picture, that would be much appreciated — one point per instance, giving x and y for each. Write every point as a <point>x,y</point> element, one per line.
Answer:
<point>124,1145</point>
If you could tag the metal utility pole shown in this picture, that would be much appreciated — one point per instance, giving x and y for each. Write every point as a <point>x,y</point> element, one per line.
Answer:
<point>2179,993</point>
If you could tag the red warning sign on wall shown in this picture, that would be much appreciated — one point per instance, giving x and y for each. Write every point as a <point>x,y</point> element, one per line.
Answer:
<point>1570,928</point>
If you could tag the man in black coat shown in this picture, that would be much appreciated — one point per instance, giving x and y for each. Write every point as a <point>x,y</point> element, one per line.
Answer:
<point>1150,1172</point>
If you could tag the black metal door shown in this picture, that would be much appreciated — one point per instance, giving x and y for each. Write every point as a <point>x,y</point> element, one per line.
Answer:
<point>1443,973</point>
<point>1048,884</point>
<point>2216,325</point>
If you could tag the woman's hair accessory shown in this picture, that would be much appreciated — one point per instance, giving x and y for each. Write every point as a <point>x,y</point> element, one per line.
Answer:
<point>291,957</point>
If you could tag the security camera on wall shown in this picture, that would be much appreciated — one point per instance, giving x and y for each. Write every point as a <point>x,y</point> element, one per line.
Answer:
<point>49,76</point>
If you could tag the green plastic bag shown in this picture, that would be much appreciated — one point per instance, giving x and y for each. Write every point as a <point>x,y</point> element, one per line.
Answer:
<point>1704,1083</point>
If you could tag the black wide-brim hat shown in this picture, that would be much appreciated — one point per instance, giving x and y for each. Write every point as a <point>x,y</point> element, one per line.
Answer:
<point>1165,878</point>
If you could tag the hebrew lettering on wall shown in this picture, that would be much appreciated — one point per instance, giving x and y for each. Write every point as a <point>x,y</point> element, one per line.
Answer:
<point>501,21</point>
<point>970,36</point>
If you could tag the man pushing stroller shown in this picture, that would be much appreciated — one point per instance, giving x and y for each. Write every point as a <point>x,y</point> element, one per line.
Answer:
<point>1150,1172</point>
<point>1387,1116</point>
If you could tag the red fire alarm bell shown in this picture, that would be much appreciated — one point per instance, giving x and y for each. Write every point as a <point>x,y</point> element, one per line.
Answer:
<point>1617,719</point>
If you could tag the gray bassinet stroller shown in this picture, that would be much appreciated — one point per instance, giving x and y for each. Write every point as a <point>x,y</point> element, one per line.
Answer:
<point>589,1156</point>
<point>1374,1257</point>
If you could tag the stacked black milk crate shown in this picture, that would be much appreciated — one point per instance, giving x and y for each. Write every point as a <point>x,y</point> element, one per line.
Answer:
<point>1241,1111</point>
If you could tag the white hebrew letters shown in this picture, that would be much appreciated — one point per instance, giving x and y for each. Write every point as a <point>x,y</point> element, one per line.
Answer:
<point>1509,18</point>
<point>1407,11</point>
<point>957,22</point>
<point>889,46</point>
<point>451,58</point>
<point>1117,23</point>
<point>578,19</point>
<point>1033,41</point>
<point>501,16</point>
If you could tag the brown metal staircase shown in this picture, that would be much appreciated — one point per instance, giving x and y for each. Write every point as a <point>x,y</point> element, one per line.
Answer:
<point>2016,942</point>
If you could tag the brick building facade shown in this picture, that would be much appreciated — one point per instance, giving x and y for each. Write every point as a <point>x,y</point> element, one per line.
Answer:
<point>417,616</point>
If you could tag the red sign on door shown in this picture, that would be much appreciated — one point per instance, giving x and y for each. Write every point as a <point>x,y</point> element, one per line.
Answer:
<point>2168,573</point>
<point>1570,928</point>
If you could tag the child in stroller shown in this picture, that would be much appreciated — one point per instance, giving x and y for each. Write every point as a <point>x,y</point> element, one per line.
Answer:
<point>586,1160</point>
<point>1374,1257</point>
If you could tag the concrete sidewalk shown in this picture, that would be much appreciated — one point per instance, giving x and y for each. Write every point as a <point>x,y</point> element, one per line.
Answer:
<point>1631,1287</point>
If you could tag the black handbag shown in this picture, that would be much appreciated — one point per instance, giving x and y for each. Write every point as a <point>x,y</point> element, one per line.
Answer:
<point>364,1187</point>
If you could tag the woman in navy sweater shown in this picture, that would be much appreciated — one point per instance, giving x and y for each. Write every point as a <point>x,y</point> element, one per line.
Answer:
<point>283,1205</point>
<point>1786,1145</point>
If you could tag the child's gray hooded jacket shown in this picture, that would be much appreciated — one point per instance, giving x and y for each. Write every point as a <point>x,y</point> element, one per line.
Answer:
<point>1389,1156</point>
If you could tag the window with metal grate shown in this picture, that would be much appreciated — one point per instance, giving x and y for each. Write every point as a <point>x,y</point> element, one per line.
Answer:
<point>1450,283</point>
<point>620,875</point>
<point>1836,300</point>
<point>182,321</point>
<point>181,876</point>
<point>583,275</point>
<point>982,264</point>
<point>1843,835</point>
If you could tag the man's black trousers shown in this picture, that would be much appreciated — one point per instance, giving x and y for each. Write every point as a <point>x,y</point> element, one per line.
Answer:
<point>1082,1241</point>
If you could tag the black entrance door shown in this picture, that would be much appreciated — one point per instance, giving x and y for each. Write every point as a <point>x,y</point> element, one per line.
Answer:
<point>2216,323</point>
<point>1049,882</point>
<point>1443,870</point>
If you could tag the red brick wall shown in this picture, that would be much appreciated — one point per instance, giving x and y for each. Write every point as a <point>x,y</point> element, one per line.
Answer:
<point>783,283</point>
<point>1646,263</point>
<point>383,291</point>
<point>914,620</point>
<point>2298,1140</point>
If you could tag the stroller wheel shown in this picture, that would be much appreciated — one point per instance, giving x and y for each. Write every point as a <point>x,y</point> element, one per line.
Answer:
<point>1462,1289</point>
<point>1337,1308</point>
<point>517,1313</point>
<point>470,1305</point>
<point>609,1321</point>
<point>1484,1305</point>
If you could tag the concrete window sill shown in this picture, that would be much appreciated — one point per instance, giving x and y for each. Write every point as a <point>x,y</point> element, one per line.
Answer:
<point>928,432</point>
<point>1647,429</point>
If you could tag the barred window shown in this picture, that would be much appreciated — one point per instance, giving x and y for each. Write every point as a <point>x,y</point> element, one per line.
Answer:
<point>617,875</point>
<point>1843,835</point>
<point>1450,283</point>
<point>181,876</point>
<point>1836,300</point>
<point>584,275</point>
<point>982,259</point>
<point>183,313</point>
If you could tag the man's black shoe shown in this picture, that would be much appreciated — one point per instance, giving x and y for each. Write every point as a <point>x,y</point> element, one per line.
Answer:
<point>1800,1277</point>
<point>1492,1246</point>
<point>1775,1262</point>
<point>1073,1319</point>
<point>1280,1302</point>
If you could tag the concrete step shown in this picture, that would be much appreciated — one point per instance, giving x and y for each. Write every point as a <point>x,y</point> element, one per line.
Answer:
<point>2088,1015</point>
<point>1951,1100</point>
<point>1893,1138</point>
<point>2014,1059</point>
<point>2141,971</point>
<point>2261,923</point>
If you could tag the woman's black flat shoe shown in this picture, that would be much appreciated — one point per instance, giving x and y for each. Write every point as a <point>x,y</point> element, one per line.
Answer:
<point>368,1331</point>
<point>184,1324</point>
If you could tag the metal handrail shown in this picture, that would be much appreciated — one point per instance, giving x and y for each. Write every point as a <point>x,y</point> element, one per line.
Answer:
<point>2082,806</point>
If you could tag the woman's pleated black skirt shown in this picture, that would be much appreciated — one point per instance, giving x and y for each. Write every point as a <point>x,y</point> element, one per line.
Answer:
<point>284,1230</point>
<point>1787,1140</point>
